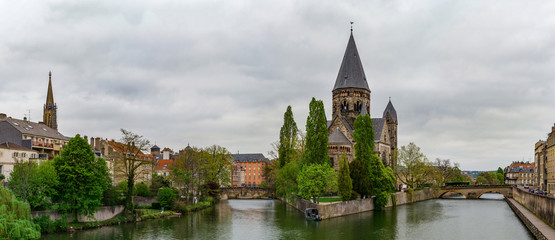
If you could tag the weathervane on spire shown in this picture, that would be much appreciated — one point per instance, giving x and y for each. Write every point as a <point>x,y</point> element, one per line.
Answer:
<point>352,26</point>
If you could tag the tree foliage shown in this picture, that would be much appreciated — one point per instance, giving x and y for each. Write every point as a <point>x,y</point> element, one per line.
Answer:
<point>287,138</point>
<point>345,182</point>
<point>364,138</point>
<point>15,218</point>
<point>316,149</point>
<point>371,177</point>
<point>413,168</point>
<point>361,181</point>
<point>286,181</point>
<point>166,196</point>
<point>34,184</point>
<point>315,180</point>
<point>197,170</point>
<point>82,178</point>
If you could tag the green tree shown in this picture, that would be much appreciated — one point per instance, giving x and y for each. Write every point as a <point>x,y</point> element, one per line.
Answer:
<point>345,181</point>
<point>217,165</point>
<point>82,178</point>
<point>361,181</point>
<point>379,179</point>
<point>166,196</point>
<point>364,138</point>
<point>316,149</point>
<point>15,218</point>
<point>287,138</point>
<point>413,167</point>
<point>189,160</point>
<point>21,179</point>
<point>142,190</point>
<point>315,180</point>
<point>286,181</point>
<point>158,181</point>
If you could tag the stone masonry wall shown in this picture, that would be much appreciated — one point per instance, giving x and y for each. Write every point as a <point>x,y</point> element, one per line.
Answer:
<point>542,206</point>
<point>337,209</point>
<point>103,213</point>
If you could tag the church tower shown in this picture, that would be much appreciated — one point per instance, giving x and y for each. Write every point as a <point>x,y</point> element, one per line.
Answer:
<point>351,92</point>
<point>49,115</point>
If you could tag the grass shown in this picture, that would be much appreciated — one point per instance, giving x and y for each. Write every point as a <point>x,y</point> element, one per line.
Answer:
<point>330,199</point>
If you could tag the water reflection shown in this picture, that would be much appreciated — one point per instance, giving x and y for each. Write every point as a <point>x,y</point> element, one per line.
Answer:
<point>269,219</point>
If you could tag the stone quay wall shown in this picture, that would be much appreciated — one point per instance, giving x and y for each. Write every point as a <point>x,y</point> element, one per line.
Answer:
<point>542,206</point>
<point>537,233</point>
<point>338,209</point>
<point>103,213</point>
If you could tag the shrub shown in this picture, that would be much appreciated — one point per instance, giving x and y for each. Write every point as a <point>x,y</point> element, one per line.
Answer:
<point>155,205</point>
<point>46,225</point>
<point>143,207</point>
<point>166,196</point>
<point>142,190</point>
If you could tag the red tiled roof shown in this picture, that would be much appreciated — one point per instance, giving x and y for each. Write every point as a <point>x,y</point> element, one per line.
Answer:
<point>167,149</point>
<point>120,147</point>
<point>163,164</point>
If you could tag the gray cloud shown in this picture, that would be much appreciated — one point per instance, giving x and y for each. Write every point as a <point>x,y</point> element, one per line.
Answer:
<point>471,81</point>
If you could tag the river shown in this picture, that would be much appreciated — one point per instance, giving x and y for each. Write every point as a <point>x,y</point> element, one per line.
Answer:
<point>272,219</point>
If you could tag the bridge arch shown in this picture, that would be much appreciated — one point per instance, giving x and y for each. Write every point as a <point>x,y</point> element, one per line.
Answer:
<point>493,190</point>
<point>443,192</point>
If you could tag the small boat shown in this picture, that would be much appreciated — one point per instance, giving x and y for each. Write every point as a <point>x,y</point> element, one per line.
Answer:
<point>312,214</point>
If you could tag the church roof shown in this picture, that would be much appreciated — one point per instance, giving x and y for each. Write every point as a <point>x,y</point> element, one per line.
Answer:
<point>377,126</point>
<point>351,74</point>
<point>363,111</point>
<point>338,137</point>
<point>391,111</point>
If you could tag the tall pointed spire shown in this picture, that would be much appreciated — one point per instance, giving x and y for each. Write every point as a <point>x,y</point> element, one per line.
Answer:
<point>49,95</point>
<point>49,116</point>
<point>351,74</point>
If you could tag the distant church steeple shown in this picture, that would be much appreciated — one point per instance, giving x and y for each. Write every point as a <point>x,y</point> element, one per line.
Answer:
<point>351,94</point>
<point>49,116</point>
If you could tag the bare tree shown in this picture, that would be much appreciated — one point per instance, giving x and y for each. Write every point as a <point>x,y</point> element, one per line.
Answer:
<point>130,161</point>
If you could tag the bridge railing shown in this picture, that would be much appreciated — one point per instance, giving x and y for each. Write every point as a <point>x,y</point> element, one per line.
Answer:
<point>478,186</point>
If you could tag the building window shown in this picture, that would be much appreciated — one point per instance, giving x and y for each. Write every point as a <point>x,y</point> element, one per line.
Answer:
<point>0,169</point>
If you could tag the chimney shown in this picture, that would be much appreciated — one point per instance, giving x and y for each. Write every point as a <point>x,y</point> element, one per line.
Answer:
<point>552,128</point>
<point>92,142</point>
<point>25,119</point>
<point>86,138</point>
<point>3,115</point>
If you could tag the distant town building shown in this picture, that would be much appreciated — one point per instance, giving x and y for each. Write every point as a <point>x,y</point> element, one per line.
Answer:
<point>11,153</point>
<point>42,136</point>
<point>238,175</point>
<point>351,98</point>
<point>163,167</point>
<point>253,163</point>
<point>540,160</point>
<point>550,155</point>
<point>112,150</point>
<point>520,173</point>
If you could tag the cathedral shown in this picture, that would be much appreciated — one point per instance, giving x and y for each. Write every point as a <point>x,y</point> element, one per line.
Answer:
<point>351,97</point>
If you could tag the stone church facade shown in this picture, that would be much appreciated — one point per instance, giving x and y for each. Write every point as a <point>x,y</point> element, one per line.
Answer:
<point>351,97</point>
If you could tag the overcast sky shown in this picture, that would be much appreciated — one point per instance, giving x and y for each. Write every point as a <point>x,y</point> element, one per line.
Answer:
<point>472,81</point>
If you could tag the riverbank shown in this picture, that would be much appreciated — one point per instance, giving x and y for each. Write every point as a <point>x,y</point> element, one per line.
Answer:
<point>338,209</point>
<point>539,228</point>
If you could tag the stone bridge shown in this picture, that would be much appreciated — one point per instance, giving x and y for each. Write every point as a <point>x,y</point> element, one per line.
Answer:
<point>475,191</point>
<point>245,193</point>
